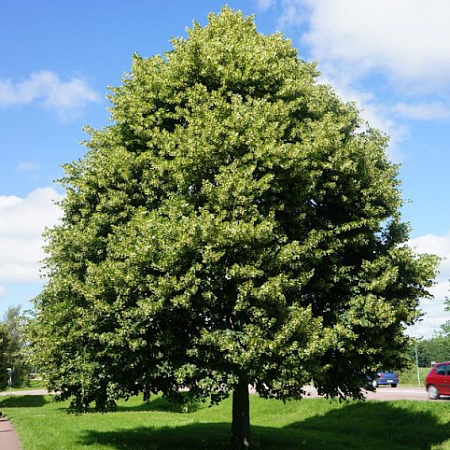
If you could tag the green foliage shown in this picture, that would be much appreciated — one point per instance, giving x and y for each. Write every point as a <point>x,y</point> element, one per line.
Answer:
<point>237,221</point>
<point>15,354</point>
<point>436,349</point>
<point>4,344</point>
<point>445,328</point>
<point>408,377</point>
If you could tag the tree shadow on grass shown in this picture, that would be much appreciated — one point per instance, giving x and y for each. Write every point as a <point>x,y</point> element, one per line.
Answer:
<point>192,436</point>
<point>23,401</point>
<point>368,425</point>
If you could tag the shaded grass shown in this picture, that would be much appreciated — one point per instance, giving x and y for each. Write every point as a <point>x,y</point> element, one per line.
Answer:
<point>159,425</point>
<point>24,401</point>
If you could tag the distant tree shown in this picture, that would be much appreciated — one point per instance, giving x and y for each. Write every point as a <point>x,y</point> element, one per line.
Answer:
<point>237,224</point>
<point>445,328</point>
<point>15,352</point>
<point>4,343</point>
<point>422,355</point>
<point>438,347</point>
<point>434,349</point>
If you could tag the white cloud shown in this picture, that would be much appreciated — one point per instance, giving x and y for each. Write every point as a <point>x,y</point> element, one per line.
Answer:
<point>67,99</point>
<point>435,314</point>
<point>408,39</point>
<point>22,222</point>
<point>294,13</point>
<point>264,5</point>
<point>26,166</point>
<point>423,111</point>
<point>401,45</point>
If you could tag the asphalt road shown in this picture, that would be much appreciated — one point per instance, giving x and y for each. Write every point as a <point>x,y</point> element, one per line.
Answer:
<point>26,392</point>
<point>398,393</point>
<point>383,393</point>
<point>386,393</point>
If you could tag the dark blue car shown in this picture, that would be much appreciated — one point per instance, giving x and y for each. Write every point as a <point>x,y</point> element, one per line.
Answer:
<point>383,379</point>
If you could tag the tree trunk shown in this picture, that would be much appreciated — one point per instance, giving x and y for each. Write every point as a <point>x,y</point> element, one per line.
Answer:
<point>240,428</point>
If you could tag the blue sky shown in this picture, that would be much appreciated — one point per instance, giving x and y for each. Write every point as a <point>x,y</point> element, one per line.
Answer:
<point>58,58</point>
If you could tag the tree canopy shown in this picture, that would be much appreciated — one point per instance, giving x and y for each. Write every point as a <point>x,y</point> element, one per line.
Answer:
<point>236,224</point>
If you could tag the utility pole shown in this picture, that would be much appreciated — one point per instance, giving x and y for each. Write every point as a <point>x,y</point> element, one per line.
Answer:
<point>9,378</point>
<point>417,367</point>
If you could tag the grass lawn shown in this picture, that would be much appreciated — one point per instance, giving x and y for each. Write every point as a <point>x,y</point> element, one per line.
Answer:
<point>307,424</point>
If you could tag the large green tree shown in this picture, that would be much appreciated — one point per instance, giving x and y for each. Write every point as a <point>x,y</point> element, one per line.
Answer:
<point>237,224</point>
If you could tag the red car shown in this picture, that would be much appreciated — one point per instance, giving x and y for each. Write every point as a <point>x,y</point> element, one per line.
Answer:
<point>437,382</point>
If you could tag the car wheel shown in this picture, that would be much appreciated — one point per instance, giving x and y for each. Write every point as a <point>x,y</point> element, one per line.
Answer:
<point>374,383</point>
<point>433,393</point>
<point>393,385</point>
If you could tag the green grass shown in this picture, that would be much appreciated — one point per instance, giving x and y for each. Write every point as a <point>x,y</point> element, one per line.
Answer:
<point>307,424</point>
